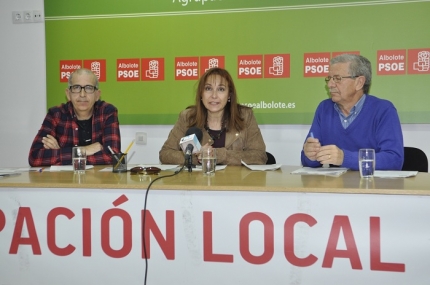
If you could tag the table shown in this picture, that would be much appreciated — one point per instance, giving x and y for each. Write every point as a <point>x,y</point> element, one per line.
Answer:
<point>237,227</point>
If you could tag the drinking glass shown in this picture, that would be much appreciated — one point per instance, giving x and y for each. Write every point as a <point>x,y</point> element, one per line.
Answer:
<point>79,159</point>
<point>208,160</point>
<point>366,162</point>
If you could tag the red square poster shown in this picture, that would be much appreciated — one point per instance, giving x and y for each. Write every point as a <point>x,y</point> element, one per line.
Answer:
<point>276,66</point>
<point>98,66</point>
<point>152,69</point>
<point>67,67</point>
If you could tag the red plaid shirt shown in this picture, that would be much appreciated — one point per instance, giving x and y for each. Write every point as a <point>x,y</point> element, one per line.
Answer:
<point>60,122</point>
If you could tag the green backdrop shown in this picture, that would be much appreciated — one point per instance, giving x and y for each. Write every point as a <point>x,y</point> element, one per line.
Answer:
<point>168,29</point>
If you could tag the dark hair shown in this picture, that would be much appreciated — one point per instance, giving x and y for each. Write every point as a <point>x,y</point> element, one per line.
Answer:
<point>232,111</point>
<point>359,66</point>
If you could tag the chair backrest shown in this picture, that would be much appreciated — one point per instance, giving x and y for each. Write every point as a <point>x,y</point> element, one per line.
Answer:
<point>270,158</point>
<point>415,160</point>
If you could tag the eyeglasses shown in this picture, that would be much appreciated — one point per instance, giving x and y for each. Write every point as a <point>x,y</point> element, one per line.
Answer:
<point>89,89</point>
<point>145,170</point>
<point>338,78</point>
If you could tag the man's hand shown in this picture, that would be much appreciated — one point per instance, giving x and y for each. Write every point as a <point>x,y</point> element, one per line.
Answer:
<point>49,142</point>
<point>93,148</point>
<point>330,154</point>
<point>311,148</point>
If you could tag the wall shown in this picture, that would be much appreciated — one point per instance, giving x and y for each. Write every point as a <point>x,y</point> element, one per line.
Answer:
<point>23,100</point>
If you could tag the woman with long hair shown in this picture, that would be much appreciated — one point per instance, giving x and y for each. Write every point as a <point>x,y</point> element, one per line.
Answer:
<point>229,127</point>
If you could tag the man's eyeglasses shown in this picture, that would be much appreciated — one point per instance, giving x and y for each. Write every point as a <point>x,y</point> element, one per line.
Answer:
<point>338,78</point>
<point>78,88</point>
<point>145,170</point>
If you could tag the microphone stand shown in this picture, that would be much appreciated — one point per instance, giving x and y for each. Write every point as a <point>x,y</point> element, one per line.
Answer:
<point>190,163</point>
<point>189,157</point>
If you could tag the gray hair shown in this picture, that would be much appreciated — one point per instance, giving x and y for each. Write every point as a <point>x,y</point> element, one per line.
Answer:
<point>359,66</point>
<point>84,71</point>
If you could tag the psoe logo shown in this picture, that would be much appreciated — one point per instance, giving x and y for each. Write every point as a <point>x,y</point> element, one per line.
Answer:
<point>250,66</point>
<point>187,68</point>
<point>152,69</point>
<point>276,66</point>
<point>98,66</point>
<point>391,62</point>
<point>67,67</point>
<point>128,69</point>
<point>316,64</point>
<point>207,62</point>
<point>419,61</point>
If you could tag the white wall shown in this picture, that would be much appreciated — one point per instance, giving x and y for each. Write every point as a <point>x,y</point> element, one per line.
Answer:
<point>23,101</point>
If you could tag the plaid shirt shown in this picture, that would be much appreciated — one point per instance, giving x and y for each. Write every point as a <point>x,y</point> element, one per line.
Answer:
<point>60,122</point>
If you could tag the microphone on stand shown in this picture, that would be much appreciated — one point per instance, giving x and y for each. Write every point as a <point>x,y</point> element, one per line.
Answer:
<point>191,144</point>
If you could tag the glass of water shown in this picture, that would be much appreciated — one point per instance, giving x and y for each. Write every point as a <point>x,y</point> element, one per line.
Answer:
<point>208,160</point>
<point>79,159</point>
<point>366,162</point>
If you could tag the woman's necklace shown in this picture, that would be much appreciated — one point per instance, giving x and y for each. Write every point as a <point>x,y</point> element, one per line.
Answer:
<point>215,135</point>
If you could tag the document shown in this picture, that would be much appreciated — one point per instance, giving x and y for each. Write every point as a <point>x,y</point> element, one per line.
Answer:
<point>21,169</point>
<point>54,168</point>
<point>329,171</point>
<point>217,167</point>
<point>9,174</point>
<point>7,170</point>
<point>262,167</point>
<point>394,173</point>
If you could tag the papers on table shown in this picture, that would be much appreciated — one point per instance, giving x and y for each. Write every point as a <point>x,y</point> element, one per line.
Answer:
<point>7,170</point>
<point>164,167</point>
<point>7,174</point>
<point>54,168</point>
<point>394,173</point>
<point>217,167</point>
<point>330,171</point>
<point>336,171</point>
<point>263,167</point>
<point>21,169</point>
<point>4,172</point>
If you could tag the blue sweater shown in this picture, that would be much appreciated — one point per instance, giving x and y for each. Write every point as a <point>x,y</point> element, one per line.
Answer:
<point>377,126</point>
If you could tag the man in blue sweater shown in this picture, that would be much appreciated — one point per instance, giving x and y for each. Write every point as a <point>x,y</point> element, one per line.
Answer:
<point>353,119</point>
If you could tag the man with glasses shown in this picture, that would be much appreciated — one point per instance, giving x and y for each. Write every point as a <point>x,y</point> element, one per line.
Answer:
<point>84,120</point>
<point>352,119</point>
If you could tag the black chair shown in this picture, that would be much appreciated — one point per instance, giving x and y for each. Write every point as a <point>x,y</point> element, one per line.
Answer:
<point>270,158</point>
<point>415,160</point>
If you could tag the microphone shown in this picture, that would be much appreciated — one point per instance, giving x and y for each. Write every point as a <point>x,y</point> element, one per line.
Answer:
<point>189,149</point>
<point>191,142</point>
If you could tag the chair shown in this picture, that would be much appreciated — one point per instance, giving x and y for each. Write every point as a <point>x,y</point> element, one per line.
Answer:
<point>270,158</point>
<point>415,160</point>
